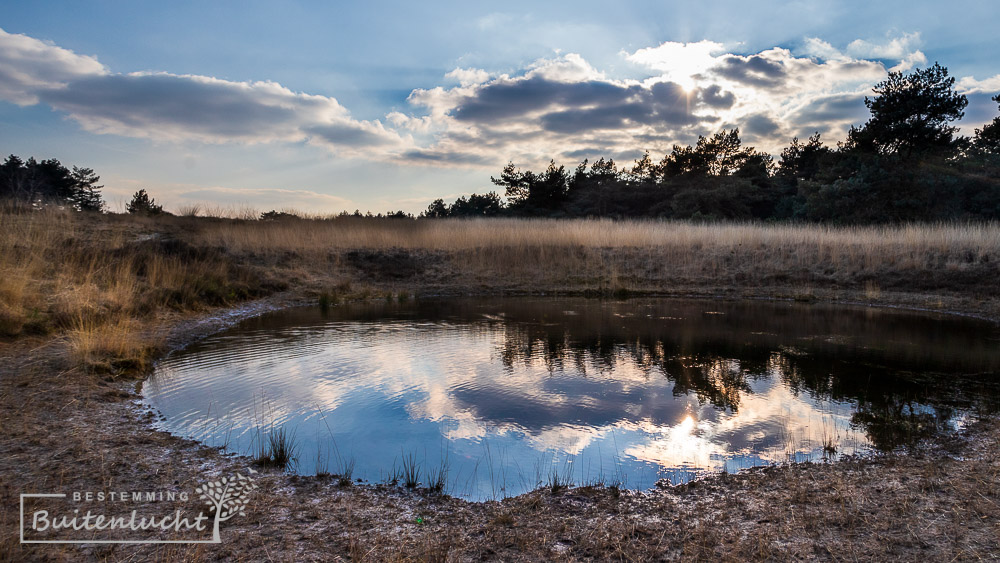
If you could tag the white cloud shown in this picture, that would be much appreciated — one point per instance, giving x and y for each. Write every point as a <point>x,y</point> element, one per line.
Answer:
<point>969,85</point>
<point>897,48</point>
<point>568,68</point>
<point>679,62</point>
<point>910,61</point>
<point>468,76</point>
<point>817,48</point>
<point>28,65</point>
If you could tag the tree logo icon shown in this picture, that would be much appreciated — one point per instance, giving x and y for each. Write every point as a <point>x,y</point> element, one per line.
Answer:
<point>227,497</point>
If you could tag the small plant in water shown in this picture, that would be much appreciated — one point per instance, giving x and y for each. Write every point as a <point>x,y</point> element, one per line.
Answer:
<point>436,478</point>
<point>829,448</point>
<point>394,475</point>
<point>559,481</point>
<point>322,465</point>
<point>345,472</point>
<point>411,471</point>
<point>279,450</point>
<point>829,443</point>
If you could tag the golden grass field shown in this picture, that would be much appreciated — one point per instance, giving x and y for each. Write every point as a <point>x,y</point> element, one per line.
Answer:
<point>96,278</point>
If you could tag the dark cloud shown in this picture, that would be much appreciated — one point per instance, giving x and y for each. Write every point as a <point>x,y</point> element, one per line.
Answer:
<point>439,156</point>
<point>713,96</point>
<point>759,125</point>
<point>505,99</point>
<point>205,107</point>
<point>600,403</point>
<point>662,104</point>
<point>754,70</point>
<point>835,108</point>
<point>350,133</point>
<point>592,104</point>
<point>591,154</point>
<point>578,120</point>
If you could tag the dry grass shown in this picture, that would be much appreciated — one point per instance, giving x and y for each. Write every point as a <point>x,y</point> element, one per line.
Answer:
<point>98,281</point>
<point>649,256</point>
<point>90,276</point>
<point>681,245</point>
<point>835,242</point>
<point>111,346</point>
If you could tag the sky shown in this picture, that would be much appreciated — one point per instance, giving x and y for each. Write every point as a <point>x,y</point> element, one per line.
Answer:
<point>322,106</point>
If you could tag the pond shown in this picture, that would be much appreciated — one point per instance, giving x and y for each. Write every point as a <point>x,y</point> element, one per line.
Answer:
<point>496,397</point>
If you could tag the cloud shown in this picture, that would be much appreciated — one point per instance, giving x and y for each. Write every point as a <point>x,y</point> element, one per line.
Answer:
<point>759,125</point>
<point>819,49</point>
<point>468,76</point>
<point>553,107</point>
<point>28,65</point>
<point>897,48</point>
<point>184,107</point>
<point>301,200</point>
<point>513,97</point>
<point>664,103</point>
<point>568,68</point>
<point>969,85</point>
<point>437,156</point>
<point>356,134</point>
<point>714,96</point>
<point>755,70</point>
<point>678,62</point>
<point>172,107</point>
<point>902,49</point>
<point>693,89</point>
<point>836,108</point>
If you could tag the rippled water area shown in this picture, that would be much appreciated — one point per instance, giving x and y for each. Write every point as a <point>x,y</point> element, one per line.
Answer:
<point>495,397</point>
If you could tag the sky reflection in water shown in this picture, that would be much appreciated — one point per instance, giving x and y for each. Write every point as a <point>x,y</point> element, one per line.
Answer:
<point>511,392</point>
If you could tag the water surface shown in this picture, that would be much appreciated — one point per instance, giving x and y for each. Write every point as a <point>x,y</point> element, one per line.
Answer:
<point>509,394</point>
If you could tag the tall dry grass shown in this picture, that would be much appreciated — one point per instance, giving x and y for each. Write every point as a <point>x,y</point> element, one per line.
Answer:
<point>94,280</point>
<point>637,252</point>
<point>98,279</point>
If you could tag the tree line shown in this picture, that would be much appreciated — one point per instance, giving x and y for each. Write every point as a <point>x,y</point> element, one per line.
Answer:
<point>37,183</point>
<point>904,164</point>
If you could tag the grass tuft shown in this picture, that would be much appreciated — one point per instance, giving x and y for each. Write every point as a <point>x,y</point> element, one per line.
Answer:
<point>411,471</point>
<point>279,450</point>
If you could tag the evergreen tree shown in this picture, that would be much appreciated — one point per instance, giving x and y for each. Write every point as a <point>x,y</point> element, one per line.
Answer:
<point>142,204</point>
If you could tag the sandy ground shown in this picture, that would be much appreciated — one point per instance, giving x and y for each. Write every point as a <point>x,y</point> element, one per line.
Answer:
<point>64,430</point>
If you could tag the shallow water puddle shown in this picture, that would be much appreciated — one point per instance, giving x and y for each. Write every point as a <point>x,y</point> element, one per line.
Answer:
<point>503,396</point>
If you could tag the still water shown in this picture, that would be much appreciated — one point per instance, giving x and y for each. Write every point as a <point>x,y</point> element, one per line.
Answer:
<point>507,395</point>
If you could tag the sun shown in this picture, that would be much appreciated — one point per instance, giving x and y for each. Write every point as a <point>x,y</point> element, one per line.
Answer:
<point>687,83</point>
